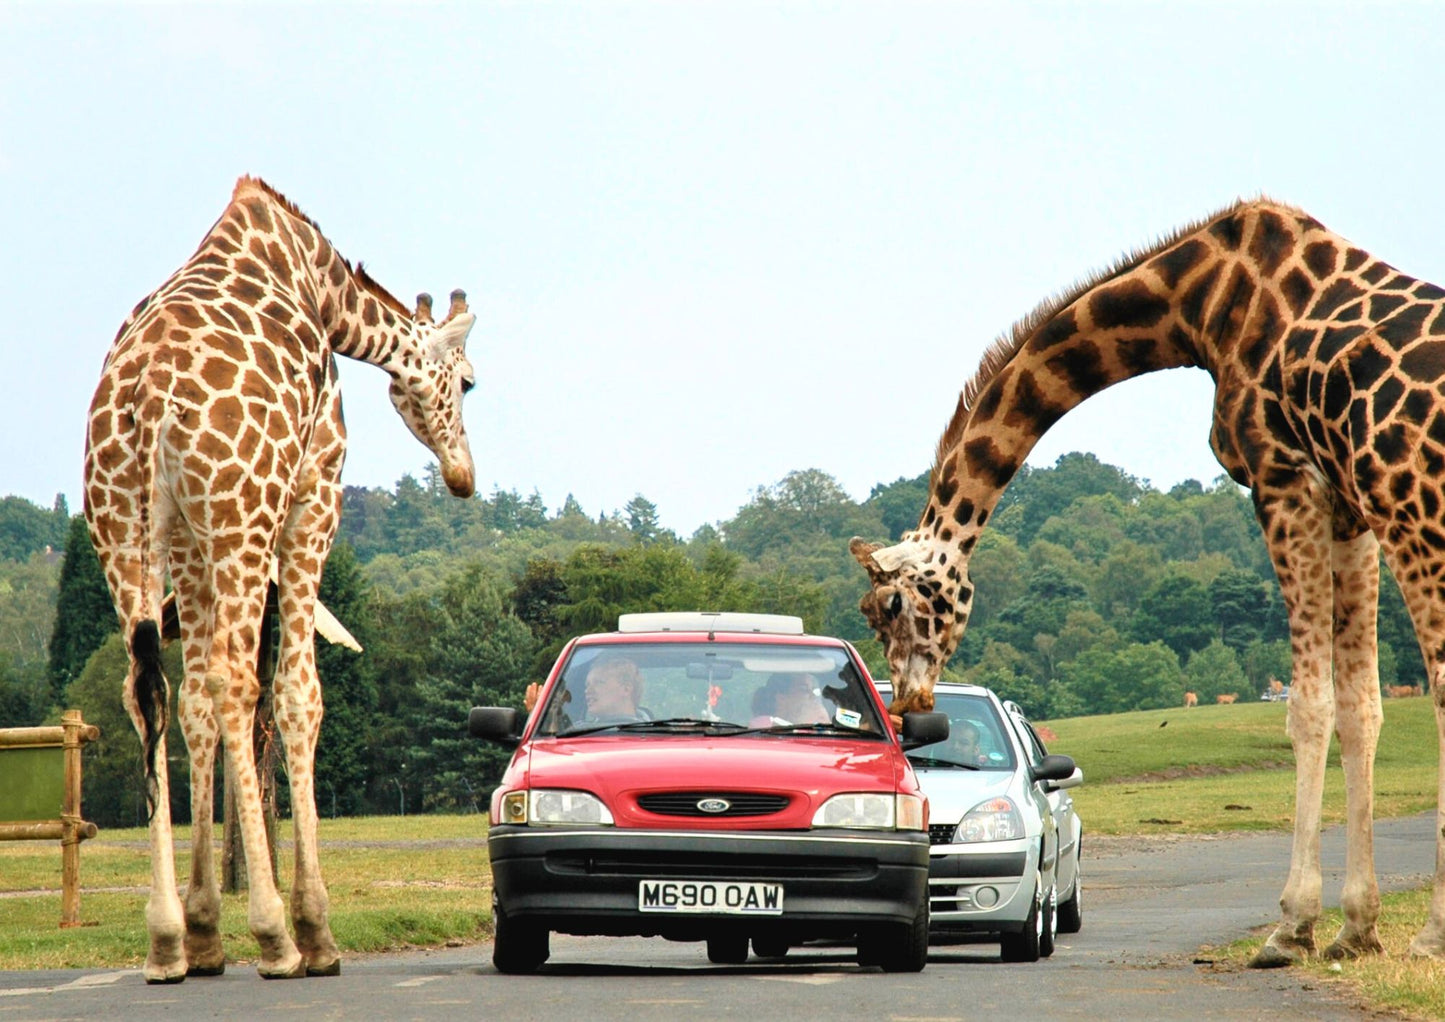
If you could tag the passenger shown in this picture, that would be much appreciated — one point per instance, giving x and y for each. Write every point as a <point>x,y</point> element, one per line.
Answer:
<point>789,699</point>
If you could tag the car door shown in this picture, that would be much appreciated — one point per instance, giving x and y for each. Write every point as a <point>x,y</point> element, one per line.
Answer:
<point>1061,805</point>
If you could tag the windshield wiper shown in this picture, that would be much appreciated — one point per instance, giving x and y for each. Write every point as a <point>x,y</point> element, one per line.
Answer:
<point>929,761</point>
<point>829,728</point>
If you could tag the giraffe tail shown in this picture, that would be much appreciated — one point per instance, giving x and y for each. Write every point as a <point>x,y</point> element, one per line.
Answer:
<point>152,696</point>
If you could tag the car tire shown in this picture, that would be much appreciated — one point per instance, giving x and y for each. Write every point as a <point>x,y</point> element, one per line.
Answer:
<point>1024,945</point>
<point>898,947</point>
<point>727,950</point>
<point>1048,927</point>
<point>770,947</point>
<point>518,946</point>
<point>1071,912</point>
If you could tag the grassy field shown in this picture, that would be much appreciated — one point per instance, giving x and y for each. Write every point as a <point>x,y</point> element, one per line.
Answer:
<point>425,880</point>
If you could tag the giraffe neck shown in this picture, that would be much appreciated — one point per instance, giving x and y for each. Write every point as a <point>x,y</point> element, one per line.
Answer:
<point>1217,296</point>
<point>361,319</point>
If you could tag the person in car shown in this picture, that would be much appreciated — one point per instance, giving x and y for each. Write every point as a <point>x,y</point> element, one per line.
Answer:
<point>789,699</point>
<point>612,689</point>
<point>963,744</point>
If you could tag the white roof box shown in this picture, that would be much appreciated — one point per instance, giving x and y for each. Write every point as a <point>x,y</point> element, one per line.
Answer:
<point>711,621</point>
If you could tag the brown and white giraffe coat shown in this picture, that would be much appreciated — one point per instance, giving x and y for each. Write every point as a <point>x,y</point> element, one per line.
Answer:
<point>213,458</point>
<point>1329,367</point>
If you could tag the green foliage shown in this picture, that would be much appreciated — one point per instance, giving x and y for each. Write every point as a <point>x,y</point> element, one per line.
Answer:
<point>26,530</point>
<point>1176,612</point>
<point>84,610</point>
<point>1091,589</point>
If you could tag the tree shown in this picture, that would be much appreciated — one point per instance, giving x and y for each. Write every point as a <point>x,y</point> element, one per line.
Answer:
<point>343,763</point>
<point>26,530</point>
<point>1176,612</point>
<point>1214,670</point>
<point>642,519</point>
<point>84,610</point>
<point>1136,677</point>
<point>1238,600</point>
<point>479,656</point>
<point>1043,493</point>
<point>900,503</point>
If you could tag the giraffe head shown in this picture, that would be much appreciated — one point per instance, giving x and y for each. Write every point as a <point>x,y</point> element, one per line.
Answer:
<point>427,389</point>
<point>918,604</point>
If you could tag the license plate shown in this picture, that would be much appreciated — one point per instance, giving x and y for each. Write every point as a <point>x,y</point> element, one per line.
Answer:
<point>709,897</point>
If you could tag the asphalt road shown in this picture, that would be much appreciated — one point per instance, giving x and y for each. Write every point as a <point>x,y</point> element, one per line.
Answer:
<point>1149,908</point>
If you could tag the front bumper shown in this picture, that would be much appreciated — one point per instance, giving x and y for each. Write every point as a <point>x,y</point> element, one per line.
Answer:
<point>982,888</point>
<point>586,880</point>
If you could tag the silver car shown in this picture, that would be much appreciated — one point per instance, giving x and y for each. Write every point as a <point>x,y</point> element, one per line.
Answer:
<point>1005,840</point>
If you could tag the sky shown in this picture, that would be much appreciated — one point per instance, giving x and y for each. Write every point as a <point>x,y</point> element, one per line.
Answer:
<point>708,244</point>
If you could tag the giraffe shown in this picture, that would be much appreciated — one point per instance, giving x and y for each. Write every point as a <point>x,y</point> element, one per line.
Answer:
<point>213,455</point>
<point>1329,371</point>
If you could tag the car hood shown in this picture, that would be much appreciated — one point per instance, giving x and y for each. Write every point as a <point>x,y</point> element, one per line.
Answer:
<point>954,791</point>
<point>620,769</point>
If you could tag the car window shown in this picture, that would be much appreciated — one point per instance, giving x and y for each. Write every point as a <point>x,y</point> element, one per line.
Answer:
<point>746,686</point>
<point>976,735</point>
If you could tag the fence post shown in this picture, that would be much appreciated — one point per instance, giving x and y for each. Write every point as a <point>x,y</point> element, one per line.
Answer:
<point>73,828</point>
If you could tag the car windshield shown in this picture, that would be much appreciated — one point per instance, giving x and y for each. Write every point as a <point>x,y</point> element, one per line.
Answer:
<point>976,738</point>
<point>710,688</point>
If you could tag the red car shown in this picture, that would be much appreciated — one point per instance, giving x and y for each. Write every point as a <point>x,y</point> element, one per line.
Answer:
<point>717,777</point>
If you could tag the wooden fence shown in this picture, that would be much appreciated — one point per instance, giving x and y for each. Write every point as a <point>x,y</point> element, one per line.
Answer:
<point>40,774</point>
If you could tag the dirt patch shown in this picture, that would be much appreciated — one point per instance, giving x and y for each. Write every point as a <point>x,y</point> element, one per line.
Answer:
<point>1188,771</point>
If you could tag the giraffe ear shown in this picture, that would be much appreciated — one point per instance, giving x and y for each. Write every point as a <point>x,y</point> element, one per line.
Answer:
<point>909,553</point>
<point>450,334</point>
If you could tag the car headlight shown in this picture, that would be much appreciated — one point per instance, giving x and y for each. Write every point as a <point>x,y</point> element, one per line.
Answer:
<point>871,810</point>
<point>998,819</point>
<point>543,806</point>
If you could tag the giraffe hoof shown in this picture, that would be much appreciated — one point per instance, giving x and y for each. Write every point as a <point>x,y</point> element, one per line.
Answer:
<point>331,968</point>
<point>282,972</point>
<point>1271,957</point>
<point>219,969</point>
<point>1341,951</point>
<point>174,973</point>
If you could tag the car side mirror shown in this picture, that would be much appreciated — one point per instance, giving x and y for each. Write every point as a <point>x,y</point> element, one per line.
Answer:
<point>1072,781</point>
<point>495,724</point>
<point>1055,768</point>
<point>921,729</point>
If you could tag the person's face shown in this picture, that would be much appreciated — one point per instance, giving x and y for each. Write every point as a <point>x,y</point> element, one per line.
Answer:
<point>799,704</point>
<point>608,692</point>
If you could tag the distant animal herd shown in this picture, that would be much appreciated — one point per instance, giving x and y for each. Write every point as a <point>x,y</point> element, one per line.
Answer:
<point>1275,692</point>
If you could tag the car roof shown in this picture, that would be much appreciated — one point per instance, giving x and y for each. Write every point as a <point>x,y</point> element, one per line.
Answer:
<point>709,626</point>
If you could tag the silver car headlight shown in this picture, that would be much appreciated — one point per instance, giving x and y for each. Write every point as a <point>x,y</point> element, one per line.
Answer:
<point>544,806</point>
<point>871,810</point>
<point>997,819</point>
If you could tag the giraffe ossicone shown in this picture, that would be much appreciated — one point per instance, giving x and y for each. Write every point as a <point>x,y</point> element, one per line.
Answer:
<point>213,459</point>
<point>1329,371</point>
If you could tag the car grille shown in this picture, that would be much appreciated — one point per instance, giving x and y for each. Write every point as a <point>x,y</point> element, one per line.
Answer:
<point>941,833</point>
<point>684,803</point>
<point>708,865</point>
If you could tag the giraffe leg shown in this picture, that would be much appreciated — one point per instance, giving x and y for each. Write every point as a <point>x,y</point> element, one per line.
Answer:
<point>204,953</point>
<point>1299,536</point>
<point>1357,722</point>
<point>232,684</point>
<point>1430,941</point>
<point>304,548</point>
<point>165,922</point>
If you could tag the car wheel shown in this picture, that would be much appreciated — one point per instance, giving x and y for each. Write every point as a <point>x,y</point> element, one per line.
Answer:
<point>1071,912</point>
<point>898,947</point>
<point>1024,945</point>
<point>1049,924</point>
<point>518,946</point>
<point>770,947</point>
<point>727,950</point>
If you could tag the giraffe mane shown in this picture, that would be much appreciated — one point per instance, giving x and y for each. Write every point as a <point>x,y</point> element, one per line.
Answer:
<point>1007,345</point>
<point>364,279</point>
